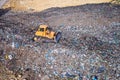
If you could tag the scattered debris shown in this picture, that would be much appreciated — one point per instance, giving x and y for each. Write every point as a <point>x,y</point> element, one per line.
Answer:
<point>88,50</point>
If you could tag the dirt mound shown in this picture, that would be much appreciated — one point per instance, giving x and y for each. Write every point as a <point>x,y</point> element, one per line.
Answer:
<point>89,47</point>
<point>38,5</point>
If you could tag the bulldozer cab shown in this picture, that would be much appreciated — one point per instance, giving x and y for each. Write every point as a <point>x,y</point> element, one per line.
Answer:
<point>48,30</point>
<point>41,30</point>
<point>44,31</point>
<point>44,28</point>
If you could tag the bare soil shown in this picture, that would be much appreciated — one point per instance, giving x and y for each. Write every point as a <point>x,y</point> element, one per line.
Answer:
<point>39,5</point>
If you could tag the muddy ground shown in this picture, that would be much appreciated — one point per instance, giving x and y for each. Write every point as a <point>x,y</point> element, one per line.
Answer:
<point>89,47</point>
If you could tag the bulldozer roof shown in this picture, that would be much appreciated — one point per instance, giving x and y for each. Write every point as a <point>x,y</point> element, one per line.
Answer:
<point>43,26</point>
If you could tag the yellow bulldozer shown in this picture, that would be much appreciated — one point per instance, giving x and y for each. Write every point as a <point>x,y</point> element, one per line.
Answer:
<point>45,31</point>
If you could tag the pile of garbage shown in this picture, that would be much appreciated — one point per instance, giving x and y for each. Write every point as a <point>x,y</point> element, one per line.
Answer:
<point>85,52</point>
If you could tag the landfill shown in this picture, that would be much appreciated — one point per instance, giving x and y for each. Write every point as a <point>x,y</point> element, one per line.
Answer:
<point>88,50</point>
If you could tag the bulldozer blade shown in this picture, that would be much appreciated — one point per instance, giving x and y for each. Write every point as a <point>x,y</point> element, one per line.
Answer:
<point>57,37</point>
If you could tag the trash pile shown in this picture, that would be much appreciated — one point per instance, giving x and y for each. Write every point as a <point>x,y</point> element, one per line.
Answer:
<point>88,50</point>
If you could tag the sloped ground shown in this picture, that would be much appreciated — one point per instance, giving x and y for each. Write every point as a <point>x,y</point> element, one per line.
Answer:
<point>39,5</point>
<point>89,47</point>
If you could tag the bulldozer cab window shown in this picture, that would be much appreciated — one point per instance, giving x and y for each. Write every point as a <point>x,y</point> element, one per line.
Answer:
<point>41,29</point>
<point>48,29</point>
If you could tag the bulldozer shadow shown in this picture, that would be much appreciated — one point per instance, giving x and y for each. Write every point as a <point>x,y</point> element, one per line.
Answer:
<point>48,41</point>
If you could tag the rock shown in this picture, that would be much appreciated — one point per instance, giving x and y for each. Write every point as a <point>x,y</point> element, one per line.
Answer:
<point>45,78</point>
<point>94,77</point>
<point>12,79</point>
<point>19,76</point>
<point>69,75</point>
<point>73,56</point>
<point>101,69</point>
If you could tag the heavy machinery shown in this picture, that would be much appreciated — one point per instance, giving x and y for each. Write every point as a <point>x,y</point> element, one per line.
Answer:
<point>45,31</point>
